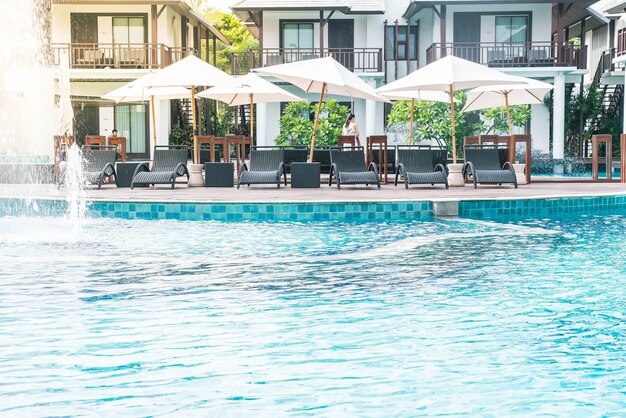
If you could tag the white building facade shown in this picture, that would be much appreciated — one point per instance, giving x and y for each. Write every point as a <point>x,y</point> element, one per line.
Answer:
<point>382,40</point>
<point>110,43</point>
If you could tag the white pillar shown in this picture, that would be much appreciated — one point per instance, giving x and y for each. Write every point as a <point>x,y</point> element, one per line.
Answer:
<point>260,119</point>
<point>624,106</point>
<point>370,120</point>
<point>558,118</point>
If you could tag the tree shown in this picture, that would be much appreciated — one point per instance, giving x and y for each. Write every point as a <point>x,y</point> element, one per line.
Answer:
<point>296,123</point>
<point>433,121</point>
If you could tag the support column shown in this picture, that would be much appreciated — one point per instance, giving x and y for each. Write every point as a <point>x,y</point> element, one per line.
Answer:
<point>261,125</point>
<point>443,30</point>
<point>624,110</point>
<point>558,122</point>
<point>154,40</point>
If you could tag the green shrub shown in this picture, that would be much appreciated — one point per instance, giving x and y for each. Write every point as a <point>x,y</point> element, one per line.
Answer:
<point>296,123</point>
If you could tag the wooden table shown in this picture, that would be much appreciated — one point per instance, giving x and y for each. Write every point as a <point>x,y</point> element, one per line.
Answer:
<point>596,140</point>
<point>524,139</point>
<point>225,142</point>
<point>120,143</point>
<point>381,141</point>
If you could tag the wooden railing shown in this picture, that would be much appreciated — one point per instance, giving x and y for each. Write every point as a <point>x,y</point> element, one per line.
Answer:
<point>355,59</point>
<point>98,55</point>
<point>528,54</point>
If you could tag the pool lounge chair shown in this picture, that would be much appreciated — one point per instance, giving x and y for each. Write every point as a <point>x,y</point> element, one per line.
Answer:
<point>167,166</point>
<point>416,166</point>
<point>482,162</point>
<point>348,167</point>
<point>266,167</point>
<point>99,165</point>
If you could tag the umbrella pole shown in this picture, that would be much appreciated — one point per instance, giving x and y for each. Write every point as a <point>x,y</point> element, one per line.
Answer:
<point>451,92</point>
<point>411,122</point>
<point>193,113</point>
<point>508,113</point>
<point>251,119</point>
<point>317,117</point>
<point>154,135</point>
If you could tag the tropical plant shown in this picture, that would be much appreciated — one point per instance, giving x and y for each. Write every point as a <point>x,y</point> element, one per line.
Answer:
<point>433,121</point>
<point>296,123</point>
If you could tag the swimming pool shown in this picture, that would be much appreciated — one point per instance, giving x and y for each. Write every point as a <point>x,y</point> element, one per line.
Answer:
<point>391,318</point>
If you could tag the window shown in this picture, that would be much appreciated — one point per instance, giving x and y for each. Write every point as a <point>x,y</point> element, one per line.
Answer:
<point>403,39</point>
<point>297,35</point>
<point>511,29</point>
<point>128,30</point>
<point>130,122</point>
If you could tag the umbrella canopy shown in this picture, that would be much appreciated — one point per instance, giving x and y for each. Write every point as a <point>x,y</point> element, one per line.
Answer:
<point>191,72</point>
<point>249,89</point>
<point>449,74</point>
<point>136,91</point>
<point>323,76</point>
<point>65,110</point>
<point>322,73</point>
<point>239,93</point>
<point>531,92</point>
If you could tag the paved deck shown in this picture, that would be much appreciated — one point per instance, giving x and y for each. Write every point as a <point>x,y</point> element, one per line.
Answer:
<point>182,193</point>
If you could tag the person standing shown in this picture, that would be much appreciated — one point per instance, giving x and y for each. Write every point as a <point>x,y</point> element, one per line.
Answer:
<point>350,128</point>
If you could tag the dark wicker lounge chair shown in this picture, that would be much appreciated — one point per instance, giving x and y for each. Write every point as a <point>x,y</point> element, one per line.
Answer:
<point>483,164</point>
<point>99,164</point>
<point>416,166</point>
<point>266,167</point>
<point>348,167</point>
<point>167,166</point>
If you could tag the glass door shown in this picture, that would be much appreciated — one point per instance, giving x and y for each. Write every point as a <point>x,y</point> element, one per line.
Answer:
<point>131,123</point>
<point>512,34</point>
<point>129,39</point>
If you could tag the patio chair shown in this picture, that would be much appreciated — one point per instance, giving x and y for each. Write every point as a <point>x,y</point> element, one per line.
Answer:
<point>415,165</point>
<point>348,167</point>
<point>100,165</point>
<point>483,164</point>
<point>167,166</point>
<point>266,167</point>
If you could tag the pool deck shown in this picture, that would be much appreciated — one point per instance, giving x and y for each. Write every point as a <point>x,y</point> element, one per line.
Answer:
<point>388,192</point>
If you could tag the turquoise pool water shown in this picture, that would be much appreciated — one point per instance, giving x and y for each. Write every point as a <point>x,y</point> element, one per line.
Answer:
<point>423,318</point>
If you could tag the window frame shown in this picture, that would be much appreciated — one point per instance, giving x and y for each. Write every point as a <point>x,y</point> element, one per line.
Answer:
<point>282,23</point>
<point>414,45</point>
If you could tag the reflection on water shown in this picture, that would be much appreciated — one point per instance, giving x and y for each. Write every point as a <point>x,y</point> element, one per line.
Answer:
<point>246,318</point>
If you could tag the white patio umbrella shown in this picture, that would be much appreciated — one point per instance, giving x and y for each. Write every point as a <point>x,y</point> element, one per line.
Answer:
<point>249,89</point>
<point>449,74</point>
<point>323,76</point>
<point>136,91</point>
<point>413,95</point>
<point>531,92</point>
<point>65,110</point>
<point>191,72</point>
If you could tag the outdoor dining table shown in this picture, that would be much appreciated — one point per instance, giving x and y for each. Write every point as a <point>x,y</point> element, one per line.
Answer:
<point>225,142</point>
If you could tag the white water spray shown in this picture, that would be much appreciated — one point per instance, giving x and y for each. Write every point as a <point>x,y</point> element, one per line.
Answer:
<point>76,184</point>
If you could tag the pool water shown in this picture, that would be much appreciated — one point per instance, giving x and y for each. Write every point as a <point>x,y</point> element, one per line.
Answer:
<point>168,318</point>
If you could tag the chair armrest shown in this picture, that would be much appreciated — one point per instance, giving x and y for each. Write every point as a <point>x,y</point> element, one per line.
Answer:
<point>400,168</point>
<point>178,167</point>
<point>244,167</point>
<point>508,166</point>
<point>141,167</point>
<point>440,167</point>
<point>373,167</point>
<point>466,166</point>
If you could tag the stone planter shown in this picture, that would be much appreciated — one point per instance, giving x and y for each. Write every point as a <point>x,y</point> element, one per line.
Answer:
<point>195,175</point>
<point>519,173</point>
<point>455,175</point>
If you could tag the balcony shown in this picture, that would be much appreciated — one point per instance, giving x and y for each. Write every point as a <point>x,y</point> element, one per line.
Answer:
<point>498,55</point>
<point>359,60</point>
<point>120,56</point>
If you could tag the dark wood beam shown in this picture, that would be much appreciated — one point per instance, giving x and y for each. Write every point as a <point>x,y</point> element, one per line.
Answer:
<point>154,17</point>
<point>442,30</point>
<point>161,11</point>
<point>183,31</point>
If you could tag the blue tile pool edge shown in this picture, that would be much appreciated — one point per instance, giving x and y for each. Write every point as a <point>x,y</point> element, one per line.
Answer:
<point>315,211</point>
<point>495,208</point>
<point>229,211</point>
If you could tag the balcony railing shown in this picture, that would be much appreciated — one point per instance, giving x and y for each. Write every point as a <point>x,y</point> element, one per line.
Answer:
<point>529,54</point>
<point>355,59</point>
<point>135,56</point>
